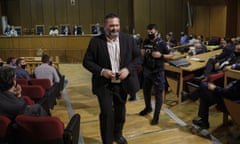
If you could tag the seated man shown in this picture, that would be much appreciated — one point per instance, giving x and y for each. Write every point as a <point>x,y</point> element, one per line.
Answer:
<point>66,30</point>
<point>58,72</point>
<point>10,62</point>
<point>53,31</point>
<point>47,71</point>
<point>195,94</point>
<point>210,94</point>
<point>183,38</point>
<point>77,30</point>
<point>13,32</point>
<point>11,101</point>
<point>7,30</point>
<point>20,69</point>
<point>215,64</point>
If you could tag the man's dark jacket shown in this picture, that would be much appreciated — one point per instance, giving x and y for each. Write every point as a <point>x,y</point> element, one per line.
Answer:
<point>97,57</point>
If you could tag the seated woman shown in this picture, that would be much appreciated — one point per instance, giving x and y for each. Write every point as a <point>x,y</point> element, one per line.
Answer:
<point>11,101</point>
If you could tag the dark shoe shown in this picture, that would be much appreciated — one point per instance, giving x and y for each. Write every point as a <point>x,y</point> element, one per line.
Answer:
<point>121,140</point>
<point>145,112</point>
<point>201,123</point>
<point>199,78</point>
<point>154,121</point>
<point>185,95</point>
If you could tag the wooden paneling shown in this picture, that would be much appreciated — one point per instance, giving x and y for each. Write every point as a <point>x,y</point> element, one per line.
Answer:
<point>111,6</point>
<point>201,21</point>
<point>174,12</point>
<point>25,13</point>
<point>157,16</point>
<point>141,16</point>
<point>73,13</point>
<point>36,12</point>
<point>68,48</point>
<point>98,11</point>
<point>48,14</point>
<point>231,18</point>
<point>238,20</point>
<point>1,15</point>
<point>218,18</point>
<point>86,15</point>
<point>123,12</point>
<point>209,21</point>
<point>169,15</point>
<point>208,2</point>
<point>13,12</point>
<point>61,11</point>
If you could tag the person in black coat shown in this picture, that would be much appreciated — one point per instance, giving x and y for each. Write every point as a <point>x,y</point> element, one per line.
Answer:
<point>154,53</point>
<point>11,101</point>
<point>112,58</point>
<point>210,94</point>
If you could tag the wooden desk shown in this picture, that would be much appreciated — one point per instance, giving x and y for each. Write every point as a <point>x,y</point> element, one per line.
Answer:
<point>213,47</point>
<point>177,84</point>
<point>68,48</point>
<point>234,74</point>
<point>182,46</point>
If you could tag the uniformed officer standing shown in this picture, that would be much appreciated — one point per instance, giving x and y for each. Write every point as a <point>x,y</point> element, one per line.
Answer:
<point>154,52</point>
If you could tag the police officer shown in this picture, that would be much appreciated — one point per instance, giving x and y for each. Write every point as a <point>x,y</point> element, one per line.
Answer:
<point>154,52</point>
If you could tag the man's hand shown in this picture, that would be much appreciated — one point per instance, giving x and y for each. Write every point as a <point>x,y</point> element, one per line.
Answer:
<point>216,66</point>
<point>17,90</point>
<point>156,54</point>
<point>226,68</point>
<point>211,86</point>
<point>108,74</point>
<point>123,73</point>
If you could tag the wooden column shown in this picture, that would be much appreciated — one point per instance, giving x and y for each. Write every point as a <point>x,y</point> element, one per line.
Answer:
<point>232,18</point>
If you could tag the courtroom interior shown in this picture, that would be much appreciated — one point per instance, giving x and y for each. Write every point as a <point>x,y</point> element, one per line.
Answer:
<point>203,37</point>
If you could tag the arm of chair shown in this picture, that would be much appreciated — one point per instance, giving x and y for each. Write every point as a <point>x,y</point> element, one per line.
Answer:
<point>28,100</point>
<point>214,77</point>
<point>71,132</point>
<point>233,109</point>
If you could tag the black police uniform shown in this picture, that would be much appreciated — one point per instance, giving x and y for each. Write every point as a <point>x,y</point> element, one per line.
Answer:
<point>153,72</point>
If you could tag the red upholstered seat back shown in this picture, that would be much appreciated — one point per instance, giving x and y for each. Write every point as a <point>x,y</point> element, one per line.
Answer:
<point>45,83</point>
<point>22,81</point>
<point>216,78</point>
<point>4,127</point>
<point>33,91</point>
<point>40,128</point>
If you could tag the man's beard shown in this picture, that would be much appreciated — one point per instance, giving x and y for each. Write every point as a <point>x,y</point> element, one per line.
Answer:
<point>114,33</point>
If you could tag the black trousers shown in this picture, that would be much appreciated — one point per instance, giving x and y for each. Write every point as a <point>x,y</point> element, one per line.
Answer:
<point>112,99</point>
<point>210,67</point>
<point>158,81</point>
<point>207,99</point>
